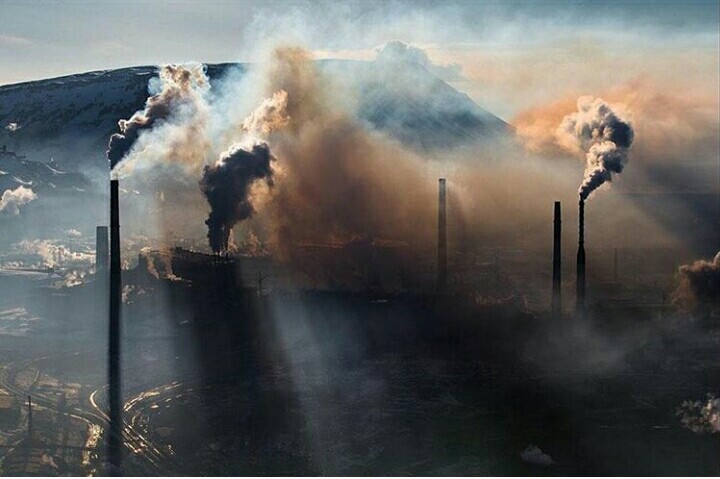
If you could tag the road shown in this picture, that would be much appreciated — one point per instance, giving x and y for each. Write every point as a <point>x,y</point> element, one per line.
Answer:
<point>151,459</point>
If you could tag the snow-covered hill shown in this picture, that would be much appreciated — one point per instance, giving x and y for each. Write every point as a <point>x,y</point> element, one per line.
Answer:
<point>70,118</point>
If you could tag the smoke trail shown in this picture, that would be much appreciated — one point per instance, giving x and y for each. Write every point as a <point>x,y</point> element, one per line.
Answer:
<point>12,200</point>
<point>181,88</point>
<point>600,131</point>
<point>269,116</point>
<point>699,283</point>
<point>226,185</point>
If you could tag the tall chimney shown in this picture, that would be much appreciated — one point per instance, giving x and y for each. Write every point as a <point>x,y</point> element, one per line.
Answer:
<point>580,278</point>
<point>102,253</point>
<point>557,264</point>
<point>114,399</point>
<point>442,239</point>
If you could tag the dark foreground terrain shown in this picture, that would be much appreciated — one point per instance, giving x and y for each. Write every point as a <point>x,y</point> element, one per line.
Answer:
<point>222,381</point>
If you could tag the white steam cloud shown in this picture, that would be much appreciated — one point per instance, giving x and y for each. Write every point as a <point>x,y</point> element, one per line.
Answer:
<point>269,116</point>
<point>177,114</point>
<point>12,200</point>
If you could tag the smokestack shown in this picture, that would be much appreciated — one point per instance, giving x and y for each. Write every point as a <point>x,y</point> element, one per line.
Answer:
<point>115,412</point>
<point>442,239</point>
<point>102,253</point>
<point>557,264</point>
<point>580,278</point>
<point>30,418</point>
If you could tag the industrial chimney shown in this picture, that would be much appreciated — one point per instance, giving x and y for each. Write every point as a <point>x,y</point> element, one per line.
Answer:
<point>114,399</point>
<point>442,239</point>
<point>102,252</point>
<point>557,264</point>
<point>580,278</point>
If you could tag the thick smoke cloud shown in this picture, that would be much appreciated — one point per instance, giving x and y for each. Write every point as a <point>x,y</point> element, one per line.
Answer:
<point>12,200</point>
<point>699,283</point>
<point>271,115</point>
<point>226,185</point>
<point>336,181</point>
<point>180,94</point>
<point>600,131</point>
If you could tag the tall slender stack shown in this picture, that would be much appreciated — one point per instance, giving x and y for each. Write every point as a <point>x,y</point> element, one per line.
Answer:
<point>441,284</point>
<point>557,263</point>
<point>114,397</point>
<point>580,278</point>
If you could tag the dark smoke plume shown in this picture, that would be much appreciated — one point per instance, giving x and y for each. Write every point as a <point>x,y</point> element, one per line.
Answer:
<point>178,84</point>
<point>598,130</point>
<point>699,283</point>
<point>226,185</point>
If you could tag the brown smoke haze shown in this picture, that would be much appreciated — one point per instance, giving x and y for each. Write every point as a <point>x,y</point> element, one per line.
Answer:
<point>668,126</point>
<point>335,181</point>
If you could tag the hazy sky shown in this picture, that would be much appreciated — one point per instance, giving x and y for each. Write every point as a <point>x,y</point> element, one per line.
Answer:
<point>494,44</point>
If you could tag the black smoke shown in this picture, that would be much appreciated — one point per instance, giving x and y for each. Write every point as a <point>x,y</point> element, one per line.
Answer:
<point>226,185</point>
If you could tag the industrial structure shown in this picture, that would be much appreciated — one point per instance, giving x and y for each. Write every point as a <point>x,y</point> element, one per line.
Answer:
<point>114,437</point>
<point>557,263</point>
<point>442,239</point>
<point>580,275</point>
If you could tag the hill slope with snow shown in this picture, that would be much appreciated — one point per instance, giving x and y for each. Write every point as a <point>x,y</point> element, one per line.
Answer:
<point>70,118</point>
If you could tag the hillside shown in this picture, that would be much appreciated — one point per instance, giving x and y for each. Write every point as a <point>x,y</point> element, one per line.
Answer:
<point>70,118</point>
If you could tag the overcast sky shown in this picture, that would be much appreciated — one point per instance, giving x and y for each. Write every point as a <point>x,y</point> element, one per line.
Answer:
<point>41,39</point>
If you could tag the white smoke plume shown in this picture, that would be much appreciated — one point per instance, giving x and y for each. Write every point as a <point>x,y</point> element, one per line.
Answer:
<point>48,254</point>
<point>269,116</point>
<point>12,200</point>
<point>603,133</point>
<point>177,114</point>
<point>12,127</point>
